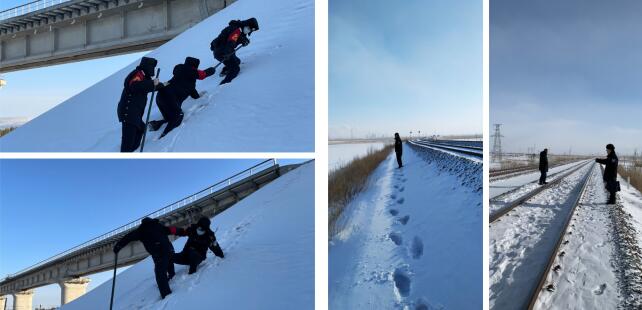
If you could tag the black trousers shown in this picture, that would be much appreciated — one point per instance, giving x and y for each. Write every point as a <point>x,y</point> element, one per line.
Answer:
<point>232,67</point>
<point>161,268</point>
<point>188,257</point>
<point>399,159</point>
<point>612,197</point>
<point>171,110</point>
<point>131,136</point>
<point>542,177</point>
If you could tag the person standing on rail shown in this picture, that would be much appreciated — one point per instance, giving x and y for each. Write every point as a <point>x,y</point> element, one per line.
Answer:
<point>398,149</point>
<point>543,166</point>
<point>610,172</point>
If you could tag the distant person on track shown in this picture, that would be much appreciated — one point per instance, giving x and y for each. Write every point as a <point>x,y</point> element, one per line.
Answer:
<point>200,239</point>
<point>179,87</point>
<point>610,172</point>
<point>543,166</point>
<point>153,235</point>
<point>398,149</point>
<point>133,100</point>
<point>224,46</point>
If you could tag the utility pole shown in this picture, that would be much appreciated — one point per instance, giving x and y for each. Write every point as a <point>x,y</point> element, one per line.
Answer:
<point>496,152</point>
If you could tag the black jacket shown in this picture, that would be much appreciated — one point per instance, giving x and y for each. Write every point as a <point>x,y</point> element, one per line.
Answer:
<point>136,86</point>
<point>200,243</point>
<point>398,146</point>
<point>610,169</point>
<point>543,161</point>
<point>153,235</point>
<point>183,82</point>
<point>229,38</point>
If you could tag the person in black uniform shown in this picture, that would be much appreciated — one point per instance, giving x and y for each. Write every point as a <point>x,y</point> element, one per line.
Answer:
<point>224,46</point>
<point>153,235</point>
<point>543,166</point>
<point>179,87</point>
<point>398,149</point>
<point>610,172</point>
<point>200,239</point>
<point>133,100</point>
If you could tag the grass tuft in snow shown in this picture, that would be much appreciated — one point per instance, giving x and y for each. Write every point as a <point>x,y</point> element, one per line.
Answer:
<point>633,175</point>
<point>5,131</point>
<point>347,181</point>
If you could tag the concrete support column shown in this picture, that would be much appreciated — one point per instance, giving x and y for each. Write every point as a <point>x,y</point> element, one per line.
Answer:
<point>3,302</point>
<point>72,289</point>
<point>23,300</point>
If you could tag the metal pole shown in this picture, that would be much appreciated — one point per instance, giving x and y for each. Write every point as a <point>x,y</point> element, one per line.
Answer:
<point>149,111</point>
<point>113,282</point>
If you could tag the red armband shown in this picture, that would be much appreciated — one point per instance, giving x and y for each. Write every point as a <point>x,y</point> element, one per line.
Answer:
<point>201,74</point>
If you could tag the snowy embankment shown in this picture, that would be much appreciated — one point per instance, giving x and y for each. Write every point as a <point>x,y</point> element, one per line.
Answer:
<point>269,107</point>
<point>341,154</point>
<point>413,238</point>
<point>268,240</point>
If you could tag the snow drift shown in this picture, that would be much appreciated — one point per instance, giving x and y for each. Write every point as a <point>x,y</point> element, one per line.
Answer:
<point>268,240</point>
<point>269,107</point>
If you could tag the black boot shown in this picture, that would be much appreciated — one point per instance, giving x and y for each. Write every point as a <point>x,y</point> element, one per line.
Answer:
<point>155,125</point>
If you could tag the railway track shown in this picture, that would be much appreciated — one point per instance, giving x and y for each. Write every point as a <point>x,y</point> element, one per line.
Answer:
<point>510,172</point>
<point>534,230</point>
<point>551,259</point>
<point>522,199</point>
<point>474,151</point>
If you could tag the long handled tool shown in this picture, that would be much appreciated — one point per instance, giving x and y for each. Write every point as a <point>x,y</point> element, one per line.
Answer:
<point>113,282</point>
<point>149,111</point>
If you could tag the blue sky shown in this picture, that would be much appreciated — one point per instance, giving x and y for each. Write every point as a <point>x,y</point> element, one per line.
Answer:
<point>567,74</point>
<point>48,206</point>
<point>401,66</point>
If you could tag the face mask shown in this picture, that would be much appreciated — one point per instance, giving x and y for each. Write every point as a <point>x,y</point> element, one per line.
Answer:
<point>200,231</point>
<point>247,30</point>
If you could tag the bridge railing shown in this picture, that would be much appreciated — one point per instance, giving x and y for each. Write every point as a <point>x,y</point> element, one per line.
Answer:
<point>28,8</point>
<point>262,166</point>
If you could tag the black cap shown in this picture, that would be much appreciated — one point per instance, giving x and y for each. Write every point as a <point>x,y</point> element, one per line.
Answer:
<point>252,23</point>
<point>204,222</point>
<point>610,147</point>
<point>148,64</point>
<point>191,61</point>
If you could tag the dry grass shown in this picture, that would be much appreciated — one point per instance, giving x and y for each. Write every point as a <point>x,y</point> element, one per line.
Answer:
<point>347,181</point>
<point>635,175</point>
<point>5,131</point>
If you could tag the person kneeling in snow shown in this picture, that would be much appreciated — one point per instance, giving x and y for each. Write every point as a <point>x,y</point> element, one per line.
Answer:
<point>200,238</point>
<point>179,87</point>
<point>133,100</point>
<point>224,46</point>
<point>153,235</point>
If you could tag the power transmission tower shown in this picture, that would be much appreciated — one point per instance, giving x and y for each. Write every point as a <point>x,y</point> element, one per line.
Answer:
<point>496,152</point>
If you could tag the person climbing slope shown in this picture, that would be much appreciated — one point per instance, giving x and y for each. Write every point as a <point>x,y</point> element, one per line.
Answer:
<point>179,87</point>
<point>133,100</point>
<point>153,235</point>
<point>224,46</point>
<point>200,239</point>
<point>398,149</point>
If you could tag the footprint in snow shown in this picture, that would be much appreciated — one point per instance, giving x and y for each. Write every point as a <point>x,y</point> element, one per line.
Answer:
<point>396,238</point>
<point>600,289</point>
<point>402,282</point>
<point>417,248</point>
<point>404,220</point>
<point>400,200</point>
<point>402,189</point>
<point>393,212</point>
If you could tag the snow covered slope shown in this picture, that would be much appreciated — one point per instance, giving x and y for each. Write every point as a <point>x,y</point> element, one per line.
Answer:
<point>268,240</point>
<point>413,239</point>
<point>269,107</point>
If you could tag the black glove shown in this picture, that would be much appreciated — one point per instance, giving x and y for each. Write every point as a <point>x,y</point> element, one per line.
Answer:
<point>210,71</point>
<point>117,248</point>
<point>245,41</point>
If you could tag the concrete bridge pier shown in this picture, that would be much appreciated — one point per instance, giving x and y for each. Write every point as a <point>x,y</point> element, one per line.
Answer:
<point>23,300</point>
<point>72,289</point>
<point>3,302</point>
